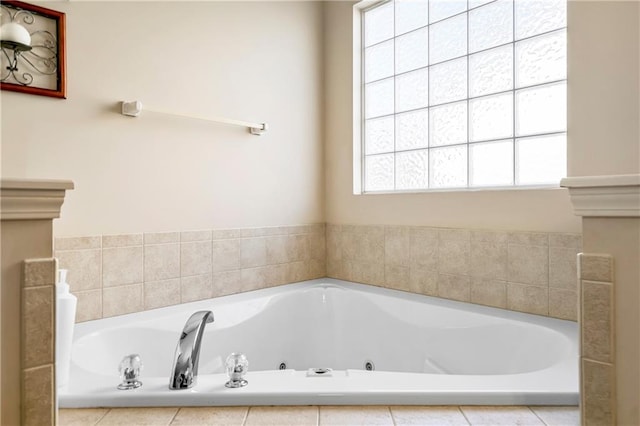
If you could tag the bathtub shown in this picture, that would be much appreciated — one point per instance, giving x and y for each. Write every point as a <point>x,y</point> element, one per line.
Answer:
<point>383,346</point>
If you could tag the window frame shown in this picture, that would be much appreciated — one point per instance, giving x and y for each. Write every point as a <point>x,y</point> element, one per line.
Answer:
<point>359,120</point>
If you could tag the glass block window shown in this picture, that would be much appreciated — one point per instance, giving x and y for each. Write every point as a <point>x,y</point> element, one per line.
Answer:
<point>463,94</point>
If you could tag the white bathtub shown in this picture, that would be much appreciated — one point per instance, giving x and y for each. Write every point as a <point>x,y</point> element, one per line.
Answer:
<point>425,351</point>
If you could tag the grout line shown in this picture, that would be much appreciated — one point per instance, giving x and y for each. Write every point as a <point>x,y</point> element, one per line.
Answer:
<point>536,414</point>
<point>464,415</point>
<point>393,420</point>
<point>174,416</point>
<point>246,416</point>
<point>103,416</point>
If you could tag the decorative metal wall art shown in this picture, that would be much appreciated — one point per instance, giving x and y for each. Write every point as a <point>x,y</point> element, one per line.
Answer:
<point>32,39</point>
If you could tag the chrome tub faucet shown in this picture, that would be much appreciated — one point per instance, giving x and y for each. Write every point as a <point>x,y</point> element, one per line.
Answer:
<point>184,373</point>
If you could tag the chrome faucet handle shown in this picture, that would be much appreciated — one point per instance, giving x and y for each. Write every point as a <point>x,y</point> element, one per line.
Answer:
<point>237,366</point>
<point>130,368</point>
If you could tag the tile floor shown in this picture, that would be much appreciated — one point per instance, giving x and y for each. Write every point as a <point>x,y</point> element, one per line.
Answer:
<point>325,416</point>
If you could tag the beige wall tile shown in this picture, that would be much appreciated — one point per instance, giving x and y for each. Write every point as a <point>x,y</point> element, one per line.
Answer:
<point>563,304</point>
<point>195,258</point>
<point>161,293</point>
<point>80,416</point>
<point>563,270</point>
<point>225,234</point>
<point>89,305</point>
<point>225,255</point>
<point>297,271</point>
<point>122,265</point>
<point>397,277</point>
<point>38,396</point>
<point>573,241</point>
<point>304,229</point>
<point>161,237</point>
<point>224,283</point>
<point>529,238</point>
<point>202,235</point>
<point>334,268</point>
<point>334,242</point>
<point>489,292</point>
<point>454,256</point>
<point>528,264</point>
<point>495,237</point>
<point>196,287</point>
<point>596,267</point>
<point>123,240</point>
<point>139,416</point>
<point>455,287</point>
<point>558,416</point>
<point>253,252</point>
<point>38,322</point>
<point>276,274</point>
<point>77,243</point>
<point>424,248</point>
<point>598,386</point>
<point>528,298</point>
<point>350,245</point>
<point>252,279</point>
<point>122,300</point>
<point>428,416</point>
<point>366,273</point>
<point>276,247</point>
<point>282,416</point>
<point>85,268</point>
<point>369,244</point>
<point>352,415</point>
<point>297,247</point>
<point>488,260</point>
<point>423,280</point>
<point>597,321</point>
<point>267,231</point>
<point>161,262</point>
<point>397,245</point>
<point>317,245</point>
<point>500,415</point>
<point>454,234</point>
<point>317,268</point>
<point>210,416</point>
<point>40,272</point>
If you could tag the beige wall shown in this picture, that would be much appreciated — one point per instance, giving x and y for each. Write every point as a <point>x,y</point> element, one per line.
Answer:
<point>604,75</point>
<point>603,130</point>
<point>249,61</point>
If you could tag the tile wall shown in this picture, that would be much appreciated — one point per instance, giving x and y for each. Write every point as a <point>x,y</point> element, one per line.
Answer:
<point>120,274</point>
<point>38,342</point>
<point>597,344</point>
<point>521,271</point>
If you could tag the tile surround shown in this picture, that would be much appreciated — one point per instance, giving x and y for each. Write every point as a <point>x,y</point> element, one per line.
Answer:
<point>531,272</point>
<point>38,342</point>
<point>120,274</point>
<point>597,339</point>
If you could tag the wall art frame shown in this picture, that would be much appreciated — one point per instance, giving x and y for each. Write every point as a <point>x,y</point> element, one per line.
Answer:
<point>40,67</point>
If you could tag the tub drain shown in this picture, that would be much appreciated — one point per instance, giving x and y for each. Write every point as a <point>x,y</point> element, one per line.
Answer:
<point>368,365</point>
<point>282,366</point>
